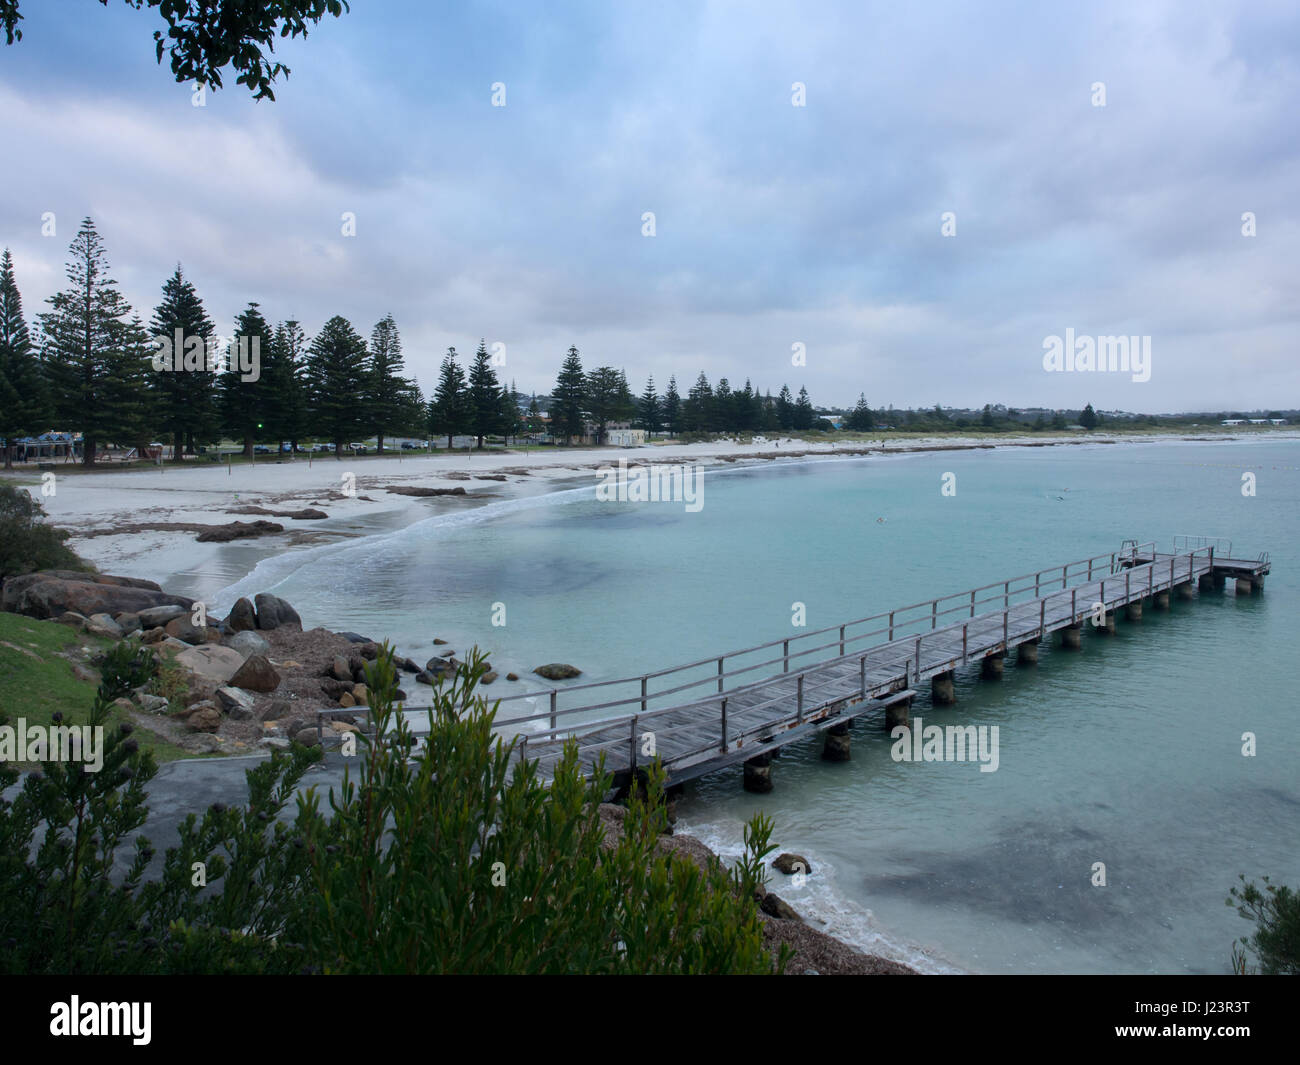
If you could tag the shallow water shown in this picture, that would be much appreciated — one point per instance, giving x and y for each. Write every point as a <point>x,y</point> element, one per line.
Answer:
<point>1128,753</point>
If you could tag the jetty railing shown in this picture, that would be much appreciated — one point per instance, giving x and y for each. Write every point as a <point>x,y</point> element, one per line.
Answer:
<point>1184,543</point>
<point>900,630</point>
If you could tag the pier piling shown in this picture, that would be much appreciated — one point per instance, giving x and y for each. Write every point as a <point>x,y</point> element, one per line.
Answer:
<point>758,774</point>
<point>992,666</point>
<point>942,692</point>
<point>835,747</point>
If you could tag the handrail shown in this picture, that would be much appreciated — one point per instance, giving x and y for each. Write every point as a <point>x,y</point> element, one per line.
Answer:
<point>1059,573</point>
<point>803,709</point>
<point>1221,544</point>
<point>902,648</point>
<point>877,652</point>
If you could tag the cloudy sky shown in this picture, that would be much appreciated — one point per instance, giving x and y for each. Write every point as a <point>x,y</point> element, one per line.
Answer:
<point>775,224</point>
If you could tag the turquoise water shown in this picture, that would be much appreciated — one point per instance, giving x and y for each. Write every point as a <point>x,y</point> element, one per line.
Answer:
<point>1128,753</point>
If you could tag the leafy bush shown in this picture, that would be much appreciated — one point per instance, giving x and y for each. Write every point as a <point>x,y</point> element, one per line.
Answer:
<point>441,857</point>
<point>171,682</point>
<point>124,666</point>
<point>27,544</point>
<point>1276,940</point>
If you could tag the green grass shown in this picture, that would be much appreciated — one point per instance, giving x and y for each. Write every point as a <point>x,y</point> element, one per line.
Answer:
<point>36,680</point>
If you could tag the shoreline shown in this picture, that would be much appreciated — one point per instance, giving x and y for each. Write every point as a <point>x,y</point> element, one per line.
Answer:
<point>143,522</point>
<point>126,521</point>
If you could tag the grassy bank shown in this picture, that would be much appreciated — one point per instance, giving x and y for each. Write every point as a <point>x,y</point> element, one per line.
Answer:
<point>45,668</point>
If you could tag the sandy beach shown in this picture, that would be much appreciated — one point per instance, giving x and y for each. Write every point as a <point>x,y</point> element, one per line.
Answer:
<point>118,519</point>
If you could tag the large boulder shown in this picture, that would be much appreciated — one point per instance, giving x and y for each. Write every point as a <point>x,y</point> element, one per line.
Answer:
<point>157,617</point>
<point>255,675</point>
<point>791,863</point>
<point>775,906</point>
<point>237,704</point>
<point>204,718</point>
<point>103,625</point>
<point>242,618</point>
<point>211,662</point>
<point>50,593</point>
<point>128,622</point>
<point>272,612</point>
<point>183,628</point>
<point>557,671</point>
<point>248,643</point>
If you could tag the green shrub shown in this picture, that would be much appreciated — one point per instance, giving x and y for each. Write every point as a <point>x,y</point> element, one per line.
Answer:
<point>1276,940</point>
<point>27,544</point>
<point>124,666</point>
<point>441,858</point>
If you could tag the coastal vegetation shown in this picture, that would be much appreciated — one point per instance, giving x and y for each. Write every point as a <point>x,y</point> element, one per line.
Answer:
<point>27,542</point>
<point>1275,943</point>
<point>435,857</point>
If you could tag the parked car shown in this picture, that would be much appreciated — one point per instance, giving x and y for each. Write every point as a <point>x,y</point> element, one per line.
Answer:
<point>261,449</point>
<point>409,446</point>
<point>357,449</point>
<point>322,447</point>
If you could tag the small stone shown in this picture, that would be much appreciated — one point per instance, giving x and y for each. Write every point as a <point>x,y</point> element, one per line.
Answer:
<point>71,617</point>
<point>307,737</point>
<point>153,704</point>
<point>361,695</point>
<point>438,641</point>
<point>347,699</point>
<point>512,676</point>
<point>156,635</point>
<point>278,709</point>
<point>339,669</point>
<point>278,743</point>
<point>488,677</point>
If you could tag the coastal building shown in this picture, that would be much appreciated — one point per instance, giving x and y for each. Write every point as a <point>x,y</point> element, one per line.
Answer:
<point>1233,421</point>
<point>625,437</point>
<point>51,445</point>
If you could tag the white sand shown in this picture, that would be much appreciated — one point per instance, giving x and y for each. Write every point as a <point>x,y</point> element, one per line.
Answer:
<point>206,494</point>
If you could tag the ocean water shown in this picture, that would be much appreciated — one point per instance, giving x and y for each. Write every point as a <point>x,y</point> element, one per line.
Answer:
<point>1127,753</point>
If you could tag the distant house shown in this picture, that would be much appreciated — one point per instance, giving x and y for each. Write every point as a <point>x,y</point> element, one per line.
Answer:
<point>1233,421</point>
<point>1258,421</point>
<point>1277,421</point>
<point>625,437</point>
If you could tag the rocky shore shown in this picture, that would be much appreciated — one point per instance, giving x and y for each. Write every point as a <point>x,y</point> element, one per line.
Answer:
<point>256,679</point>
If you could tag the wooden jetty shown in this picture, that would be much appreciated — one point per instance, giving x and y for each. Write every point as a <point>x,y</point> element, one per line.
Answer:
<point>740,706</point>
